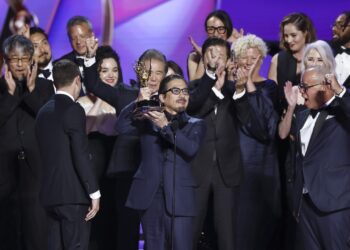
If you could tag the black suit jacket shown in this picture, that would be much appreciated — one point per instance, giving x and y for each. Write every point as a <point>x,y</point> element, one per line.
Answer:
<point>325,168</point>
<point>68,176</point>
<point>221,140</point>
<point>126,151</point>
<point>71,56</point>
<point>17,119</point>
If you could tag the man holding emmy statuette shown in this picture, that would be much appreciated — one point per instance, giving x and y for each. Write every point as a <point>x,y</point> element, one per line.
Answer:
<point>163,186</point>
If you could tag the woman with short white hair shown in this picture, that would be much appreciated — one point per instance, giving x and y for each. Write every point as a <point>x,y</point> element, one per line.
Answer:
<point>259,194</point>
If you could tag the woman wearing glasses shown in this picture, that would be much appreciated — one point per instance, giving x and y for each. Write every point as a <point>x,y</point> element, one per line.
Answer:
<point>217,24</point>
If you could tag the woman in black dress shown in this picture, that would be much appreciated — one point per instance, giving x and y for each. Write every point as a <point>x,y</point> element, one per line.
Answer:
<point>259,201</point>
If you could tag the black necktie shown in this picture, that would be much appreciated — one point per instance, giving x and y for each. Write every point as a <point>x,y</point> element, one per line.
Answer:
<point>45,72</point>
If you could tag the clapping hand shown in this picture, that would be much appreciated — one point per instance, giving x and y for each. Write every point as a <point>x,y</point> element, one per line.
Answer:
<point>241,79</point>
<point>11,84</point>
<point>291,93</point>
<point>231,67</point>
<point>31,76</point>
<point>235,35</point>
<point>195,46</point>
<point>220,77</point>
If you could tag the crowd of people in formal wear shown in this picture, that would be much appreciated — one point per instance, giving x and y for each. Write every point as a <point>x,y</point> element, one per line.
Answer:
<point>227,160</point>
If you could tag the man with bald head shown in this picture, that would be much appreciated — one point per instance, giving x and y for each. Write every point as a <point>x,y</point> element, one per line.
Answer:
<point>321,190</point>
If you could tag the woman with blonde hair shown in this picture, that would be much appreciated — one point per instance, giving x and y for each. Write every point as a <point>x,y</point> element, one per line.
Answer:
<point>259,203</point>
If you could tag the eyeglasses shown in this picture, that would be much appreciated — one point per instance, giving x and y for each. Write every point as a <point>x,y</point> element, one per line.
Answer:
<point>219,29</point>
<point>303,87</point>
<point>340,25</point>
<point>177,91</point>
<point>15,60</point>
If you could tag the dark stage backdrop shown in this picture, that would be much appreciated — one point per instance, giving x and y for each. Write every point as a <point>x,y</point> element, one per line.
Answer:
<point>137,25</point>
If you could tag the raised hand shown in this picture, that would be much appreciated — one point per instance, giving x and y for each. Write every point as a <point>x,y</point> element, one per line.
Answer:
<point>231,67</point>
<point>11,84</point>
<point>235,35</point>
<point>333,82</point>
<point>31,76</point>
<point>220,74</point>
<point>24,31</point>
<point>241,79</point>
<point>91,45</point>
<point>291,94</point>
<point>195,46</point>
<point>254,68</point>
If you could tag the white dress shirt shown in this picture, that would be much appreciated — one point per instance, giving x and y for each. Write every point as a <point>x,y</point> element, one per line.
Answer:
<point>306,130</point>
<point>218,92</point>
<point>342,68</point>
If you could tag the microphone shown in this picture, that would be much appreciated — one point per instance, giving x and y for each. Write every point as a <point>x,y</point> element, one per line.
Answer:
<point>174,125</point>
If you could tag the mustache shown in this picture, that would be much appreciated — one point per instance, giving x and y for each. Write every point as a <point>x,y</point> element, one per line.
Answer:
<point>181,100</point>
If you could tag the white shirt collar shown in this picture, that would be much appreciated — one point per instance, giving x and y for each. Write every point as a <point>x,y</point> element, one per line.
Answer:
<point>61,92</point>
<point>49,66</point>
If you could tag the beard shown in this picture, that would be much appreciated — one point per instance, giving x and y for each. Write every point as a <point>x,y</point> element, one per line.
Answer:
<point>42,64</point>
<point>341,40</point>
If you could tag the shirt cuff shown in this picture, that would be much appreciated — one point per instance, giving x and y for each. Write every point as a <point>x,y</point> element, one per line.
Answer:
<point>96,195</point>
<point>210,74</point>
<point>218,93</point>
<point>237,96</point>
<point>88,62</point>
<point>342,93</point>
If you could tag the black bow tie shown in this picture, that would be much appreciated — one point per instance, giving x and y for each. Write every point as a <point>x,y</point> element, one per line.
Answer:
<point>155,98</point>
<point>343,50</point>
<point>314,112</point>
<point>79,62</point>
<point>45,72</point>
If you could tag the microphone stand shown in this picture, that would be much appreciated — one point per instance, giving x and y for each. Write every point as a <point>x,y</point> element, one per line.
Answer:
<point>173,128</point>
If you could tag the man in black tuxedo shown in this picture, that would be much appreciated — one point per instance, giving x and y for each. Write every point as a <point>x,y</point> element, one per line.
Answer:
<point>79,30</point>
<point>21,96</point>
<point>217,166</point>
<point>341,43</point>
<point>42,52</point>
<point>320,191</point>
<point>69,185</point>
